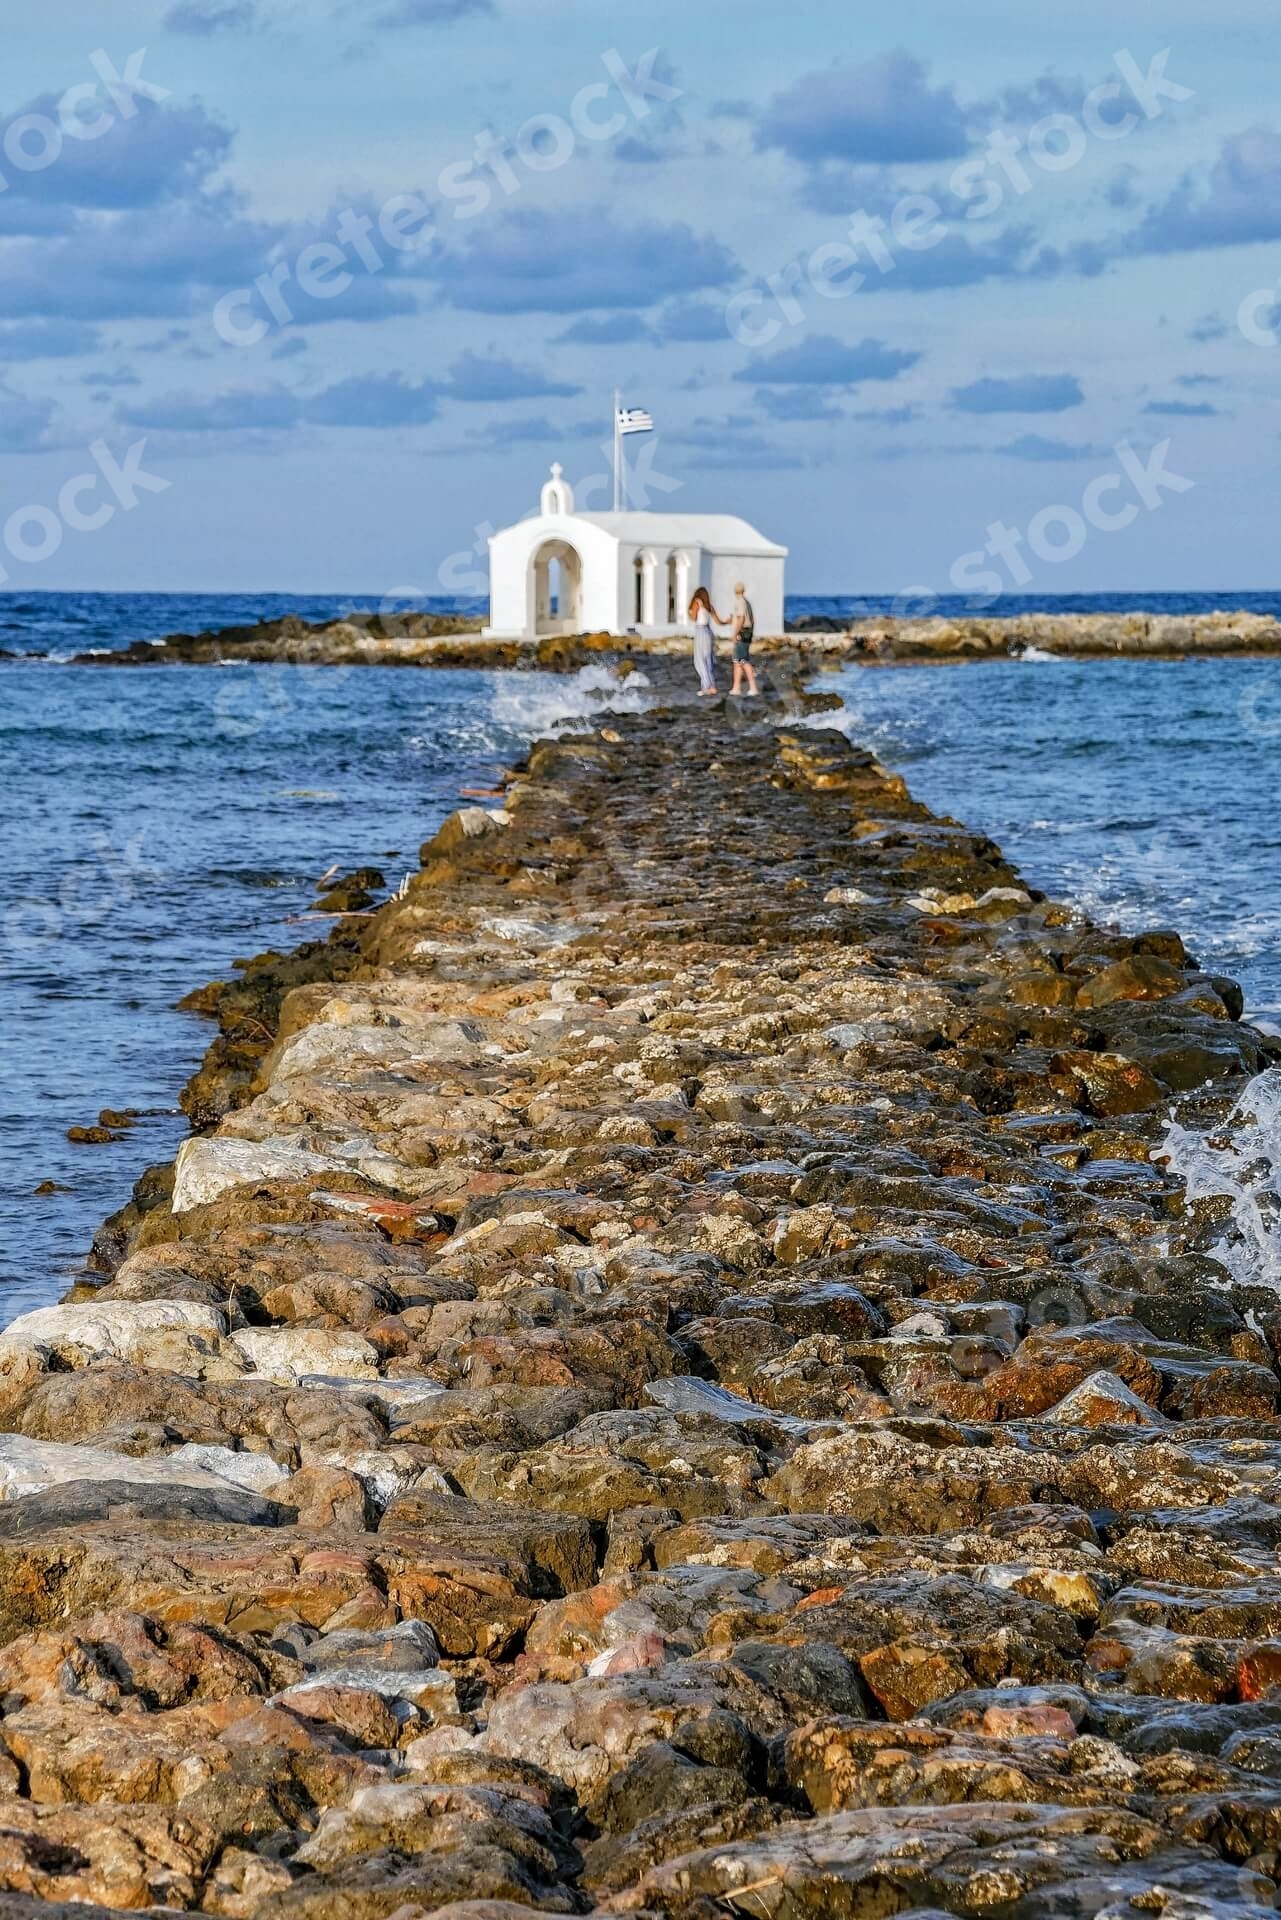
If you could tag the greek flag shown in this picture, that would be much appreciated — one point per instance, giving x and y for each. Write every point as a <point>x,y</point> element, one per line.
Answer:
<point>634,420</point>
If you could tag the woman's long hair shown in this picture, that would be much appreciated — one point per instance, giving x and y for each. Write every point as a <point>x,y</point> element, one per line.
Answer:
<point>702,598</point>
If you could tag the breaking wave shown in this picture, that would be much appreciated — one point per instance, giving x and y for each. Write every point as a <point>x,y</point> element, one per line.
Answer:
<point>533,704</point>
<point>1240,1160</point>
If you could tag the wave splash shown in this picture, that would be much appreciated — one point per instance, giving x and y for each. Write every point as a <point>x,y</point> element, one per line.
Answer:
<point>1240,1160</point>
<point>533,704</point>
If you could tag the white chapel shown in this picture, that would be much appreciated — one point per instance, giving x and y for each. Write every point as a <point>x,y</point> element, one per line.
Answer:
<point>561,571</point>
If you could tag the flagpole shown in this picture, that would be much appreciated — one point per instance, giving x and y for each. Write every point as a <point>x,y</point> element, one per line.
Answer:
<point>618,453</point>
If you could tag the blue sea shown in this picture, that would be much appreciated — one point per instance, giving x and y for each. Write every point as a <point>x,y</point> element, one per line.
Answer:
<point>163,822</point>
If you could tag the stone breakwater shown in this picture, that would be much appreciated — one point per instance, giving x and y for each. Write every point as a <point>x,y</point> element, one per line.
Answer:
<point>437,640</point>
<point>673,1380</point>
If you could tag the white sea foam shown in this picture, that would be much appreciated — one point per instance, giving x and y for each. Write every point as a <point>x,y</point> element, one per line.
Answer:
<point>1242,1159</point>
<point>1037,655</point>
<point>531,704</point>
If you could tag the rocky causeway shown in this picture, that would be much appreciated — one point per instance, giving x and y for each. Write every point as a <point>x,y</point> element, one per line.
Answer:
<point>677,1375</point>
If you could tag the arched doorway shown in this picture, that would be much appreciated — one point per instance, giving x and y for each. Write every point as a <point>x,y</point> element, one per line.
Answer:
<point>557,570</point>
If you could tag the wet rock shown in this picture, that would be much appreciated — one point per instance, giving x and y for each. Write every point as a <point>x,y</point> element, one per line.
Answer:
<point>1102,1399</point>
<point>587,1731</point>
<point>1086,1861</point>
<point>128,1331</point>
<point>623,1460</point>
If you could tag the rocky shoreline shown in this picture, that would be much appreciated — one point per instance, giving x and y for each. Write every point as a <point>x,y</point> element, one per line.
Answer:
<point>673,1377</point>
<point>438,640</point>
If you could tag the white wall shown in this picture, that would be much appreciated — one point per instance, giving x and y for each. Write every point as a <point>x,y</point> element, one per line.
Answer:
<point>761,574</point>
<point>511,593</point>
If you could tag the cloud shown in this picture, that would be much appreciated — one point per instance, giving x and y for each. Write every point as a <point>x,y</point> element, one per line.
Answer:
<point>1025,393</point>
<point>376,400</point>
<point>1121,190</point>
<point>505,433</point>
<point>25,424</point>
<point>205,17</point>
<point>639,153</point>
<point>47,340</point>
<point>797,403</point>
<point>430,13</point>
<point>34,217</point>
<point>1240,203</point>
<point>605,330</point>
<point>1208,327</point>
<point>1034,446</point>
<point>164,153</point>
<point>966,256</point>
<point>734,442</point>
<point>1034,99</point>
<point>533,261</point>
<point>887,416</point>
<point>692,320</point>
<point>170,262</point>
<point>290,347</point>
<point>881,111</point>
<point>474,376</point>
<point>1199,380</point>
<point>166,342</point>
<point>823,361</point>
<point>1183,409</point>
<point>263,407</point>
<point>381,400</point>
<point>109,382</point>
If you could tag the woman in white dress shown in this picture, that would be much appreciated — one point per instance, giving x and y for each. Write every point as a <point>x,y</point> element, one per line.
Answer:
<point>703,614</point>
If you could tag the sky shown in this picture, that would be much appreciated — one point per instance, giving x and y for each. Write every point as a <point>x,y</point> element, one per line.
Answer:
<point>895,285</point>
